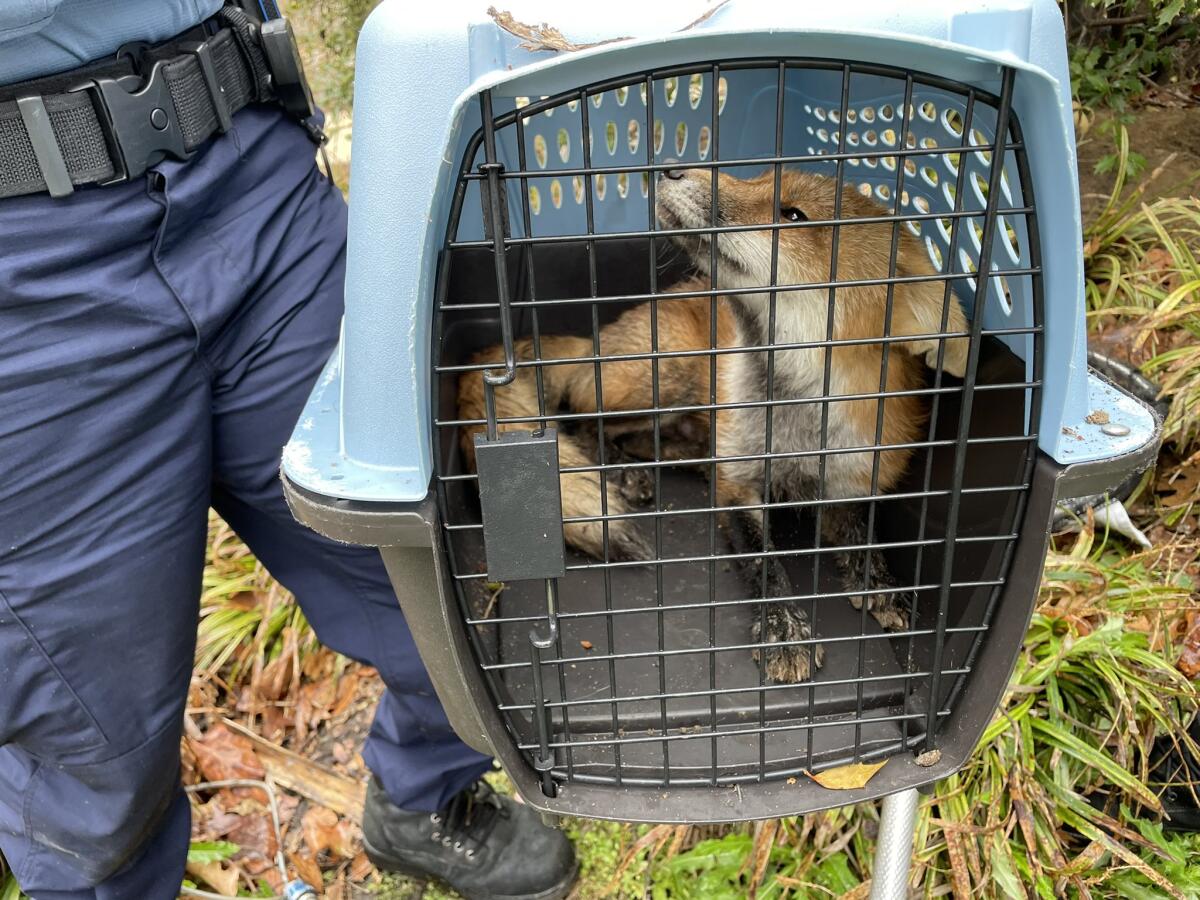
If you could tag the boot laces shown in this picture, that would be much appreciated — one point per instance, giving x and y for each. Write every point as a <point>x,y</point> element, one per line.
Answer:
<point>467,821</point>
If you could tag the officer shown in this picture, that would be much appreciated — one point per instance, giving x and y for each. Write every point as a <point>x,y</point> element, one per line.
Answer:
<point>171,265</point>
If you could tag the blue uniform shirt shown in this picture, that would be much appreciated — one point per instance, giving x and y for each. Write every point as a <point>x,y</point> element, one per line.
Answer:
<point>42,37</point>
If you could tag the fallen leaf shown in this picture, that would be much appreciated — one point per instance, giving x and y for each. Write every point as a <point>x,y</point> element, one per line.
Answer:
<point>306,867</point>
<point>791,781</point>
<point>361,867</point>
<point>586,645</point>
<point>1188,663</point>
<point>324,830</point>
<point>221,877</point>
<point>847,778</point>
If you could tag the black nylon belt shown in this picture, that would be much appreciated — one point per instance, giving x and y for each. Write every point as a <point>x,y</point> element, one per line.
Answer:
<point>109,122</point>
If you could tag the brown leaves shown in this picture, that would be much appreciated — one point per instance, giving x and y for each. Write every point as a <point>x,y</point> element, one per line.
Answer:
<point>1188,662</point>
<point>220,876</point>
<point>324,832</point>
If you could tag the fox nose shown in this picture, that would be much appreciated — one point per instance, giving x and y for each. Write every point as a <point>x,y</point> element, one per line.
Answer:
<point>672,174</point>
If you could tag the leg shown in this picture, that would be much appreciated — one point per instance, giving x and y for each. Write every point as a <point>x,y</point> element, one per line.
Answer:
<point>893,849</point>
<point>845,526</point>
<point>105,442</point>
<point>263,370</point>
<point>778,623</point>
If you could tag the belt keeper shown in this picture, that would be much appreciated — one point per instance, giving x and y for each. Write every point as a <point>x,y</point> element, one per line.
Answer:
<point>203,54</point>
<point>45,146</point>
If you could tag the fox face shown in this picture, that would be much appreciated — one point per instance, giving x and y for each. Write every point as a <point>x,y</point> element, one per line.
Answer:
<point>748,259</point>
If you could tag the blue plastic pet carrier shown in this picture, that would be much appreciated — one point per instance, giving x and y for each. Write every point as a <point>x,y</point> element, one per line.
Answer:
<point>715,624</point>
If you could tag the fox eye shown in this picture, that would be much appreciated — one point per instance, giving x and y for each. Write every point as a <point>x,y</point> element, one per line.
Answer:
<point>791,214</point>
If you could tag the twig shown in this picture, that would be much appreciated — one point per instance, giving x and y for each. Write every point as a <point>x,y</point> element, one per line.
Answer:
<point>547,37</point>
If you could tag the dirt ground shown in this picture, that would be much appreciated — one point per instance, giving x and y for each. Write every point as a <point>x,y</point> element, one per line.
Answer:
<point>1168,137</point>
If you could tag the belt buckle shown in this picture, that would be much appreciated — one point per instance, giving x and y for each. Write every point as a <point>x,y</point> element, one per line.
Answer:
<point>138,120</point>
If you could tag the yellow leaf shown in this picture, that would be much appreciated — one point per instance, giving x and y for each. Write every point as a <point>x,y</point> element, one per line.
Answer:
<point>847,778</point>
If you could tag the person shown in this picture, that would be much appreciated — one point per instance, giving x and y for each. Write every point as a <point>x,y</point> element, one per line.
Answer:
<point>171,267</point>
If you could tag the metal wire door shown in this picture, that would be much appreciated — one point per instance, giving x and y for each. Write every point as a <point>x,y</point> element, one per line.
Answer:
<point>651,669</point>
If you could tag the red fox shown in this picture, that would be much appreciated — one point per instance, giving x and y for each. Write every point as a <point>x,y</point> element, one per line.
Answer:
<point>744,261</point>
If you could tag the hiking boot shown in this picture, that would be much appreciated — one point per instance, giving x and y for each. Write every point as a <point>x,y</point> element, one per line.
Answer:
<point>485,846</point>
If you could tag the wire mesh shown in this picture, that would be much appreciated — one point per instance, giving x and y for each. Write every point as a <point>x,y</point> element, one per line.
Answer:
<point>794,370</point>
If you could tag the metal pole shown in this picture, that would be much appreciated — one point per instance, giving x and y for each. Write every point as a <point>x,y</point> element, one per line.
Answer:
<point>893,851</point>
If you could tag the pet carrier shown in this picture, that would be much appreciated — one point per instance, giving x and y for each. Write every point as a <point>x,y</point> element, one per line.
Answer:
<point>708,384</point>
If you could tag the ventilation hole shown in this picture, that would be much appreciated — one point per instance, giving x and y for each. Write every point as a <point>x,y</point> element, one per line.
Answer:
<point>1005,189</point>
<point>591,142</point>
<point>883,192</point>
<point>556,193</point>
<point>695,90</point>
<point>622,94</point>
<point>658,136</point>
<point>623,185</point>
<point>952,122</point>
<point>635,135</point>
<point>642,92</point>
<point>645,184</point>
<point>671,90</point>
<point>985,156</point>
<point>808,108</point>
<point>965,260</point>
<point>836,137</point>
<point>835,116</point>
<point>549,112</point>
<point>597,99</point>
<point>978,138</point>
<point>601,186</point>
<point>823,135</point>
<point>914,228</point>
<point>854,160</point>
<point>921,203</point>
<point>981,187</point>
<point>951,193</point>
<point>535,201</point>
<point>522,102</point>
<point>928,111</point>
<point>871,138</point>
<point>865,189</point>
<point>819,113</point>
<point>887,112</point>
<point>852,138</point>
<point>573,105</point>
<point>951,161</point>
<point>889,163</point>
<point>889,137</point>
<point>539,150</point>
<point>868,114</point>
<point>851,116</point>
<point>610,137</point>
<point>1014,242</point>
<point>928,143</point>
<point>564,145</point>
<point>722,94</point>
<point>577,187</point>
<point>935,253</point>
<point>870,162</point>
<point>681,136</point>
<point>1003,294</point>
<point>910,168</point>
<point>976,234</point>
<point>910,141</point>
<point>943,227</point>
<point>904,198</point>
<point>929,175</point>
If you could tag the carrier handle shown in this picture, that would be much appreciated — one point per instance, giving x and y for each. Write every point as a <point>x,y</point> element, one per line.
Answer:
<point>495,217</point>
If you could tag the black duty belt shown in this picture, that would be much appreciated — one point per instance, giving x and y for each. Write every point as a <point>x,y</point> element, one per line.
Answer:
<point>110,121</point>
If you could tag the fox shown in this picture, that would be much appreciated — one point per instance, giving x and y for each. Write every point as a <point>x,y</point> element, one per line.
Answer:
<point>748,267</point>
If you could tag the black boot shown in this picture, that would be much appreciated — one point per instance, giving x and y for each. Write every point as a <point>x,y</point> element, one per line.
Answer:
<point>483,845</point>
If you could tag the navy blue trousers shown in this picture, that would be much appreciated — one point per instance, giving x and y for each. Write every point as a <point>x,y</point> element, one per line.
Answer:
<point>157,342</point>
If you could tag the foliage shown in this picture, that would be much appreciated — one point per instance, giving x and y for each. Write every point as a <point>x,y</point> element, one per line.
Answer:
<point>1119,45</point>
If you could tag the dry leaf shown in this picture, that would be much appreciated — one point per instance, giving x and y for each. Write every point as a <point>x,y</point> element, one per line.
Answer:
<point>323,830</point>
<point>847,778</point>
<point>221,877</point>
<point>1188,663</point>
<point>306,867</point>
